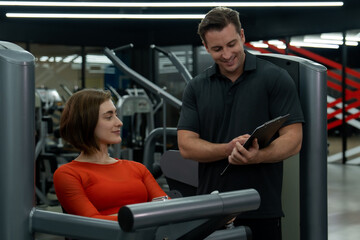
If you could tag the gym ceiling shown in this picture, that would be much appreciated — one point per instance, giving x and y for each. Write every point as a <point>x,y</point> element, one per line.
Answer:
<point>260,23</point>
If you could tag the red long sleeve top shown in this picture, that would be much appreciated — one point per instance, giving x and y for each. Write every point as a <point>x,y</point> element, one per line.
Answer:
<point>97,190</point>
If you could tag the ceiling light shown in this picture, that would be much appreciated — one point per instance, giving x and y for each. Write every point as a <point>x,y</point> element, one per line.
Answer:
<point>105,16</point>
<point>259,44</point>
<point>351,43</point>
<point>90,58</point>
<point>353,38</point>
<point>172,4</point>
<point>339,36</point>
<point>329,41</point>
<point>70,58</point>
<point>279,44</point>
<point>275,42</point>
<point>43,58</point>
<point>314,45</point>
<point>323,41</point>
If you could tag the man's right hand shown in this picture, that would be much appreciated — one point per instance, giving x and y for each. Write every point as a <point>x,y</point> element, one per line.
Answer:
<point>232,144</point>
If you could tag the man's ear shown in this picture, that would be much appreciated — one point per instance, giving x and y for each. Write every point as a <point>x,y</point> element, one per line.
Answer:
<point>204,43</point>
<point>242,35</point>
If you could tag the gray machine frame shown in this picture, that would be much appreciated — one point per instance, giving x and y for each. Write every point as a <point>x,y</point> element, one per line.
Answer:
<point>308,172</point>
<point>17,140</point>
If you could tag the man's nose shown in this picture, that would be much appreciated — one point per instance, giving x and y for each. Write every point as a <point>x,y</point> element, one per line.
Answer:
<point>226,53</point>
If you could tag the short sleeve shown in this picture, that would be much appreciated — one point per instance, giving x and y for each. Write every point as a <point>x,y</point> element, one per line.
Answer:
<point>189,119</point>
<point>285,99</point>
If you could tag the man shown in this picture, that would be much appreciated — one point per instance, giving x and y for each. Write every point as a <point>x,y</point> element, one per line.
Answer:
<point>222,105</point>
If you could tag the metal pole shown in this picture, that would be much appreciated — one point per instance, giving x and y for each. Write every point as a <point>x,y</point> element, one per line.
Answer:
<point>313,154</point>
<point>152,87</point>
<point>143,215</point>
<point>83,67</point>
<point>164,126</point>
<point>185,74</point>
<point>149,146</point>
<point>343,88</point>
<point>73,226</point>
<point>17,141</point>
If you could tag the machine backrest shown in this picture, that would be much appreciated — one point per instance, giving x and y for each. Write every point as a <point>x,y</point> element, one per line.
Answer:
<point>181,174</point>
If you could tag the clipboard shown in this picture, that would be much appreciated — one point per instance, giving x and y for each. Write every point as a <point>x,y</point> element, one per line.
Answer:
<point>264,133</point>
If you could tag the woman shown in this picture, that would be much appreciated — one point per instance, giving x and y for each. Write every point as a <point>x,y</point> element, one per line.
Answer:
<point>95,184</point>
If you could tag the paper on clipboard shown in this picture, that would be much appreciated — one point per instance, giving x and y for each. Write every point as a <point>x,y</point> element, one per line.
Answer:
<point>265,132</point>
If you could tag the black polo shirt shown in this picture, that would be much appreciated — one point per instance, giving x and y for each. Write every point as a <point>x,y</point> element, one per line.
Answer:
<point>220,110</point>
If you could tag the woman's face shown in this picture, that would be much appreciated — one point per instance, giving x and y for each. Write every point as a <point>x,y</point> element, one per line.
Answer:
<point>107,130</point>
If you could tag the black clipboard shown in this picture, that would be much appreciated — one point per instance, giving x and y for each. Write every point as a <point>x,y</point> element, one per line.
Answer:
<point>264,133</point>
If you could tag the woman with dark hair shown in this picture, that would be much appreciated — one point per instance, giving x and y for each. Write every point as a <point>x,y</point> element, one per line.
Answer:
<point>95,184</point>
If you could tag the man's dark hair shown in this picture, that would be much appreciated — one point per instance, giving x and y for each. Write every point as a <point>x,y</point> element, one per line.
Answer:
<point>217,19</point>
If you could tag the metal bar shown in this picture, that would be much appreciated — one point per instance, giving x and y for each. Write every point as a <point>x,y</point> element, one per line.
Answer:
<point>113,90</point>
<point>143,215</point>
<point>130,45</point>
<point>175,60</point>
<point>66,89</point>
<point>83,67</point>
<point>149,145</point>
<point>343,94</point>
<point>73,226</point>
<point>142,80</point>
<point>164,126</point>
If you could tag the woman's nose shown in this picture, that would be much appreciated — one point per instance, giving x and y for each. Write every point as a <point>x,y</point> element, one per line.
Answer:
<point>119,122</point>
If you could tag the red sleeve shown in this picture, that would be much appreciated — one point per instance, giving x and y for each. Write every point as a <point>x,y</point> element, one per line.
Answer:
<point>153,188</point>
<point>72,197</point>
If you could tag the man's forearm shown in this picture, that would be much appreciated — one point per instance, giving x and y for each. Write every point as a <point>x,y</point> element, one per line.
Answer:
<point>284,146</point>
<point>194,148</point>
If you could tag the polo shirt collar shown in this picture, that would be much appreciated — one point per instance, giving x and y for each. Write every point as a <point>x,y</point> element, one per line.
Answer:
<point>250,64</point>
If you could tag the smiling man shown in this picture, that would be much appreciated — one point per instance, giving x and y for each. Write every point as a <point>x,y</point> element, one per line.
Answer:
<point>225,103</point>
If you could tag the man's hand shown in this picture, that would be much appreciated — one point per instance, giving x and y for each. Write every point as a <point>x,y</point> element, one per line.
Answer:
<point>240,139</point>
<point>241,156</point>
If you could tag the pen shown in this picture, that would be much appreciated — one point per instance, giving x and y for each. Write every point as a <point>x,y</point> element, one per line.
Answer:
<point>222,173</point>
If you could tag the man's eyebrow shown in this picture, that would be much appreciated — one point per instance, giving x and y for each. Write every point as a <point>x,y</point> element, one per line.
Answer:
<point>214,47</point>
<point>232,41</point>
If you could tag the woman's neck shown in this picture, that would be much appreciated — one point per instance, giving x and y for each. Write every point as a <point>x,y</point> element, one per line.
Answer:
<point>98,157</point>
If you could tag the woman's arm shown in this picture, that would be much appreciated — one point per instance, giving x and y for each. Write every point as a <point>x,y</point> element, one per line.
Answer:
<point>72,196</point>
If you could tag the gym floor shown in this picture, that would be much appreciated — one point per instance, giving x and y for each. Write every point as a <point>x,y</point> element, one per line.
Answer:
<point>343,202</point>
